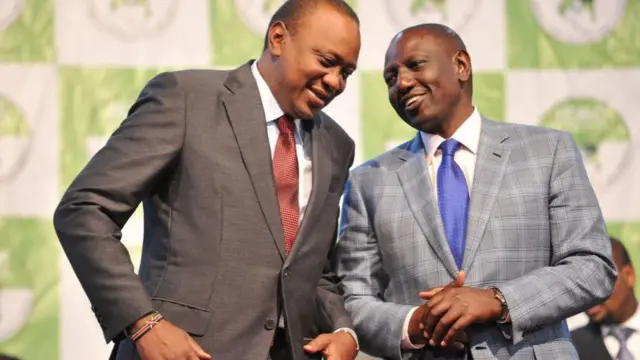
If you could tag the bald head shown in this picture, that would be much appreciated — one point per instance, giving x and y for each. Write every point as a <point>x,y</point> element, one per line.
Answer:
<point>445,35</point>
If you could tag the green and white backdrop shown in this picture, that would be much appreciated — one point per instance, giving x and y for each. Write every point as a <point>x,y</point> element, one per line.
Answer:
<point>69,70</point>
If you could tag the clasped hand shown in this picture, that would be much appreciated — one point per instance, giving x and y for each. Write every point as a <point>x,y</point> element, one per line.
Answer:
<point>449,310</point>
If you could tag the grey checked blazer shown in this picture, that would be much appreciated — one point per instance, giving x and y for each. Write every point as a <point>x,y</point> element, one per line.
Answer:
<point>535,231</point>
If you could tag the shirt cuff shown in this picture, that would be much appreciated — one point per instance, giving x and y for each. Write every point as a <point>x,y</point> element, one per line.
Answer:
<point>406,342</point>
<point>353,335</point>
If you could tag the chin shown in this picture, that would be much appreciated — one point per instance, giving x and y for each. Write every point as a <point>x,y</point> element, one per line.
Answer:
<point>422,123</point>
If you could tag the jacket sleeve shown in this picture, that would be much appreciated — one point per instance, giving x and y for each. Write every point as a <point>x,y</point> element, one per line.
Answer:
<point>98,203</point>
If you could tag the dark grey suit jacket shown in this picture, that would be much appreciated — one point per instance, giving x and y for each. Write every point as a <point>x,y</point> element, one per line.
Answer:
<point>589,343</point>
<point>194,150</point>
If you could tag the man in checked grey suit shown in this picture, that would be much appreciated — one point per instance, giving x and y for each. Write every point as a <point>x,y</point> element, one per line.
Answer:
<point>496,225</point>
<point>221,260</point>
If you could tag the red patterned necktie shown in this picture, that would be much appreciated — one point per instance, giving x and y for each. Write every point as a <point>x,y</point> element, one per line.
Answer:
<point>285,170</point>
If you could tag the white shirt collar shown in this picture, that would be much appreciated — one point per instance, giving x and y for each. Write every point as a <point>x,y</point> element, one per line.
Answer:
<point>468,134</point>
<point>272,110</point>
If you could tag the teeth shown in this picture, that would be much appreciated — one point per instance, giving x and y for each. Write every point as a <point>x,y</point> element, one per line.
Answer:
<point>412,100</point>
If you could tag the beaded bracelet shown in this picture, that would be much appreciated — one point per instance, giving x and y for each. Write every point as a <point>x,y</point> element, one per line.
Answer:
<point>155,319</point>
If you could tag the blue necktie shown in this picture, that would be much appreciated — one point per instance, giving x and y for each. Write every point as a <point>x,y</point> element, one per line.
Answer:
<point>622,334</point>
<point>453,200</point>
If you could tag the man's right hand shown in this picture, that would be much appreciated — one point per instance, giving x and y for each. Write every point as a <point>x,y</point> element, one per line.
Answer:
<point>166,341</point>
<point>416,325</point>
<point>416,332</point>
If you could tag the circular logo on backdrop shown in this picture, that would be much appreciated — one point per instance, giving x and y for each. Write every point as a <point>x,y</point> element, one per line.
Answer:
<point>14,140</point>
<point>9,11</point>
<point>133,19</point>
<point>257,13</point>
<point>578,21</point>
<point>601,134</point>
<point>453,13</point>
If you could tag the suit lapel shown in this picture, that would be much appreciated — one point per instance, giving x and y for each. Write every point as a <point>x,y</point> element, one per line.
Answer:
<point>321,172</point>
<point>491,162</point>
<point>416,184</point>
<point>247,119</point>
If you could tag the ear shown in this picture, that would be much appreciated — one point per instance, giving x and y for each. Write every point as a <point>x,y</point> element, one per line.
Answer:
<point>462,65</point>
<point>276,35</point>
<point>629,275</point>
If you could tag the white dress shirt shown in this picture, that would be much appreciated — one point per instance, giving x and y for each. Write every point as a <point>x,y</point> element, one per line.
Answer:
<point>272,113</point>
<point>633,343</point>
<point>468,134</point>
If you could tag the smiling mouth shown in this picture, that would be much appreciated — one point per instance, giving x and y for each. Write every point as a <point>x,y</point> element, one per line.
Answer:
<point>321,99</point>
<point>413,102</point>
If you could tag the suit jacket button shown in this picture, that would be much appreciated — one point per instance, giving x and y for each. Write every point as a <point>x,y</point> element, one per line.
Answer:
<point>286,272</point>
<point>270,324</point>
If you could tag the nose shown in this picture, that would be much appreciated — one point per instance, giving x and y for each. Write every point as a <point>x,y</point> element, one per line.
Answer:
<point>405,80</point>
<point>334,81</point>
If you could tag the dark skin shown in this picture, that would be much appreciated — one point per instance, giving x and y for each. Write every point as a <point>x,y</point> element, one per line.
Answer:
<point>622,303</point>
<point>306,67</point>
<point>429,63</point>
<point>428,75</point>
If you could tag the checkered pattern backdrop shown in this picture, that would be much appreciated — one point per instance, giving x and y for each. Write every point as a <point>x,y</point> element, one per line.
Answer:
<point>69,70</point>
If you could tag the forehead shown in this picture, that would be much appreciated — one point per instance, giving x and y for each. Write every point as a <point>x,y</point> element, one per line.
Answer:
<point>328,30</point>
<point>412,43</point>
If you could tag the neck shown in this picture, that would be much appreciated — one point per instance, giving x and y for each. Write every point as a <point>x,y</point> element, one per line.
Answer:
<point>455,119</point>
<point>268,71</point>
<point>628,310</point>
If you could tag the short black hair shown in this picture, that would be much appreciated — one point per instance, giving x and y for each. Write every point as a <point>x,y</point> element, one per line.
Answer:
<point>618,246</point>
<point>292,11</point>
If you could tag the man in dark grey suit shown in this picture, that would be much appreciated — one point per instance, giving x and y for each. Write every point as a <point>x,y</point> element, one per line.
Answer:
<point>240,174</point>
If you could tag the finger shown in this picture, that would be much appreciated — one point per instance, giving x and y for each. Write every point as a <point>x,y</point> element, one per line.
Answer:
<point>433,315</point>
<point>442,327</point>
<point>318,344</point>
<point>456,332</point>
<point>201,354</point>
<point>456,345</point>
<point>460,336</point>
<point>426,295</point>
<point>459,281</point>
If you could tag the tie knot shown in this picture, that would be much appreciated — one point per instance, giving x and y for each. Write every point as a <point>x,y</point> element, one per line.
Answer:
<point>449,147</point>
<point>621,333</point>
<point>285,124</point>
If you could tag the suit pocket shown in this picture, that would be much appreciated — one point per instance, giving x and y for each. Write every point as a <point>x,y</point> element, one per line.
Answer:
<point>194,320</point>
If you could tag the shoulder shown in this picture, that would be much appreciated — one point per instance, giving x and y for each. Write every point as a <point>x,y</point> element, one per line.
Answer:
<point>389,161</point>
<point>524,132</point>
<point>336,133</point>
<point>199,79</point>
<point>532,138</point>
<point>191,81</point>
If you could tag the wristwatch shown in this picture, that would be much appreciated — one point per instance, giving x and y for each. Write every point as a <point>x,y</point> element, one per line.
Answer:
<point>504,315</point>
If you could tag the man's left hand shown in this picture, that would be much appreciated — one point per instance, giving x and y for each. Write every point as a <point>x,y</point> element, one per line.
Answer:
<point>453,309</point>
<point>336,346</point>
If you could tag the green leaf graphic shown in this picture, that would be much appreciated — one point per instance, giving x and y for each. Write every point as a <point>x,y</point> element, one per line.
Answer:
<point>12,121</point>
<point>590,121</point>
